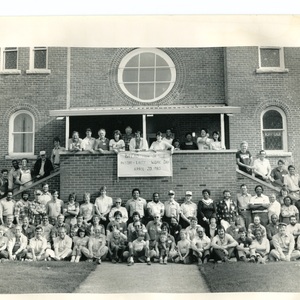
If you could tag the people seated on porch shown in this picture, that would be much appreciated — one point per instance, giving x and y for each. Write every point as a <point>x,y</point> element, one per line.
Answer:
<point>127,136</point>
<point>278,173</point>
<point>169,137</point>
<point>88,143</point>
<point>176,144</point>
<point>25,178</point>
<point>262,168</point>
<point>216,144</point>
<point>102,143</point>
<point>43,166</point>
<point>117,144</point>
<point>244,158</point>
<point>203,141</point>
<point>160,145</point>
<point>74,143</point>
<point>56,151</point>
<point>137,143</point>
<point>287,210</point>
<point>292,181</point>
<point>188,144</point>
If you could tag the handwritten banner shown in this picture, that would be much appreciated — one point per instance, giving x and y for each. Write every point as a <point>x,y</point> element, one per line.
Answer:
<point>145,164</point>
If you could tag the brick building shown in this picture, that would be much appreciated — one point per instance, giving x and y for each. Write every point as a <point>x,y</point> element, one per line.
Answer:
<point>246,93</point>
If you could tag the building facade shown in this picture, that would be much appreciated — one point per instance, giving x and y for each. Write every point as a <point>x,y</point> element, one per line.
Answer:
<point>245,93</point>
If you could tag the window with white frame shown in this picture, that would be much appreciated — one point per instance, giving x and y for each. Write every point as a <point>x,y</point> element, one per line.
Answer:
<point>39,58</point>
<point>21,133</point>
<point>146,74</point>
<point>271,59</point>
<point>274,129</point>
<point>9,58</point>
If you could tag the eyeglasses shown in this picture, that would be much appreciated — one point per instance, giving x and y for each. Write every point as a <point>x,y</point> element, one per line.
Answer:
<point>156,217</point>
<point>118,202</point>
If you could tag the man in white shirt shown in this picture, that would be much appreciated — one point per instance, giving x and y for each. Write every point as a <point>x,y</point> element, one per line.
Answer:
<point>103,205</point>
<point>262,168</point>
<point>259,205</point>
<point>155,207</point>
<point>88,142</point>
<point>292,181</point>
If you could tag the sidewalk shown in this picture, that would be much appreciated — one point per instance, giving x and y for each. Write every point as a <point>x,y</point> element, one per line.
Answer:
<point>141,278</point>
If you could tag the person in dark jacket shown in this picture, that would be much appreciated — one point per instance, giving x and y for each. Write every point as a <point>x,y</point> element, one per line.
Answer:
<point>43,166</point>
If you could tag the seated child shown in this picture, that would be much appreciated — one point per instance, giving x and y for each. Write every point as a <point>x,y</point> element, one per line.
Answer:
<point>116,245</point>
<point>201,245</point>
<point>243,247</point>
<point>183,247</point>
<point>96,245</point>
<point>139,247</point>
<point>162,248</point>
<point>80,246</point>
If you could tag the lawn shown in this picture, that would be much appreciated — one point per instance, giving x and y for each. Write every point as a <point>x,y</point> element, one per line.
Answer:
<point>249,277</point>
<point>42,277</point>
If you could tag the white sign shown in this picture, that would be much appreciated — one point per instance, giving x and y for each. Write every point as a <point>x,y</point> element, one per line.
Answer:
<point>145,164</point>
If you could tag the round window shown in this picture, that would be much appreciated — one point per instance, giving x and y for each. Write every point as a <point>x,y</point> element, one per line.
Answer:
<point>146,75</point>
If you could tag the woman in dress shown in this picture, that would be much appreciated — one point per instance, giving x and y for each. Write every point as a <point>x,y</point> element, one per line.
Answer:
<point>26,178</point>
<point>216,142</point>
<point>206,210</point>
<point>203,141</point>
<point>117,144</point>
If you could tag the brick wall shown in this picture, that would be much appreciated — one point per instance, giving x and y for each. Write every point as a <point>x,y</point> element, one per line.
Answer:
<point>199,71</point>
<point>255,92</point>
<point>191,171</point>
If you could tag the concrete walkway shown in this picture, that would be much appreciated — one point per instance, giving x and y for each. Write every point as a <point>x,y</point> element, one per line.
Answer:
<point>141,278</point>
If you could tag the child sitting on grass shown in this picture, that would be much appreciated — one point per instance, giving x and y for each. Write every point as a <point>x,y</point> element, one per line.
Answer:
<point>183,247</point>
<point>162,248</point>
<point>116,245</point>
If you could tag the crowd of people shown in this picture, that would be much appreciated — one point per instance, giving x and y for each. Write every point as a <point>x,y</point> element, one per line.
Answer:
<point>252,228</point>
<point>248,228</point>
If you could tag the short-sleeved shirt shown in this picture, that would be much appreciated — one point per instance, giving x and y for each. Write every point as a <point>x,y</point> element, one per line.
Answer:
<point>262,246</point>
<point>244,242</point>
<point>153,230</point>
<point>160,146</point>
<point>7,207</point>
<point>189,209</point>
<point>102,144</point>
<point>245,158</point>
<point>54,208</point>
<point>293,229</point>
<point>228,239</point>
<point>262,166</point>
<point>88,143</point>
<point>39,245</point>
<point>243,201</point>
<point>122,227</point>
<point>63,244</point>
<point>138,245</point>
<point>120,144</point>
<point>201,242</point>
<point>292,182</point>
<point>172,209</point>
<point>156,208</point>
<point>138,205</point>
<point>86,210</point>
<point>122,210</point>
<point>103,203</point>
<point>283,242</point>
<point>287,211</point>
<point>263,199</point>
<point>133,235</point>
<point>279,175</point>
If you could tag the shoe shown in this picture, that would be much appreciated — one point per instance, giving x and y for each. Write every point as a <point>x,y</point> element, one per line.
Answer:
<point>130,262</point>
<point>99,261</point>
<point>165,260</point>
<point>225,259</point>
<point>161,261</point>
<point>244,259</point>
<point>73,259</point>
<point>205,260</point>
<point>113,261</point>
<point>199,262</point>
<point>90,260</point>
<point>148,262</point>
<point>252,259</point>
<point>77,259</point>
<point>233,260</point>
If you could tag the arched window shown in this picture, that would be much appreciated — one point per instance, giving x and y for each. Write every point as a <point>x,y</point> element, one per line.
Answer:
<point>274,131</point>
<point>21,133</point>
<point>146,75</point>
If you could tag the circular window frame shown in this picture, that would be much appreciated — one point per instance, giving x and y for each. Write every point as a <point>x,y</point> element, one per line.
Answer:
<point>155,51</point>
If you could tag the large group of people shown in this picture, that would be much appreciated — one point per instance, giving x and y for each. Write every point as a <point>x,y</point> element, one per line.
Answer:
<point>252,228</point>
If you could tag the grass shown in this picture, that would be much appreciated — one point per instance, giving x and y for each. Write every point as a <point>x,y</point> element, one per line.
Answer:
<point>42,277</point>
<point>249,277</point>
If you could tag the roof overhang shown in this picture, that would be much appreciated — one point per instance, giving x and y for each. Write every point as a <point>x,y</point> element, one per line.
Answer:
<point>146,110</point>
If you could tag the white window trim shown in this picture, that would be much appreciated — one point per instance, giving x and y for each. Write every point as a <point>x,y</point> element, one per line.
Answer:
<point>8,71</point>
<point>280,69</point>
<point>284,130</point>
<point>11,139</point>
<point>143,50</point>
<point>32,70</point>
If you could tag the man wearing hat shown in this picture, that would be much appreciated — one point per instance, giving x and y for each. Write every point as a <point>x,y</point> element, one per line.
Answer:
<point>172,208</point>
<point>43,166</point>
<point>188,210</point>
<point>88,142</point>
<point>284,244</point>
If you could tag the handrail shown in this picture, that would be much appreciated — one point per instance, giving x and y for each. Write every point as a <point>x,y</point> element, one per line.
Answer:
<point>38,182</point>
<point>261,182</point>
